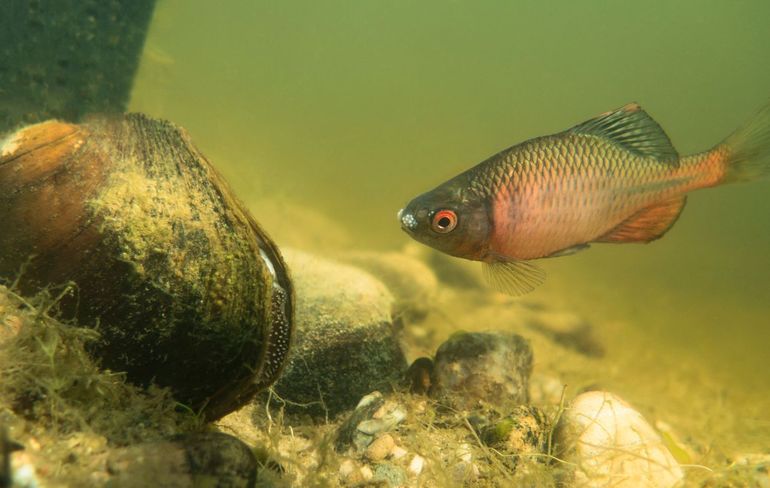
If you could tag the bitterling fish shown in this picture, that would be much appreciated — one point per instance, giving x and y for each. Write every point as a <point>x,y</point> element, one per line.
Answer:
<point>615,178</point>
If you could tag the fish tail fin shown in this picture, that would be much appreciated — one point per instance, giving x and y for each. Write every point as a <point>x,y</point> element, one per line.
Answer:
<point>746,151</point>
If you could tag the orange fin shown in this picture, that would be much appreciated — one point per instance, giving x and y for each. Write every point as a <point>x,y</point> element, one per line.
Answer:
<point>749,149</point>
<point>648,224</point>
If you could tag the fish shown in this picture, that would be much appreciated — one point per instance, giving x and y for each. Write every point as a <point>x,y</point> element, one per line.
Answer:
<point>615,178</point>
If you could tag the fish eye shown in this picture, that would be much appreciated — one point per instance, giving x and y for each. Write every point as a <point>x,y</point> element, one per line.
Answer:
<point>444,221</point>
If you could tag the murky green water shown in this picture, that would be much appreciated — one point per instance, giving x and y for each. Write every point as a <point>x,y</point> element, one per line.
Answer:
<point>353,108</point>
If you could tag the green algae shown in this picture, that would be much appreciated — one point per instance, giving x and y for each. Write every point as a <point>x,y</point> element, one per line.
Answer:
<point>58,403</point>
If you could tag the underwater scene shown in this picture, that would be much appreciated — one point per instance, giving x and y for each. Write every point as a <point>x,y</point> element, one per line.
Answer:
<point>395,244</point>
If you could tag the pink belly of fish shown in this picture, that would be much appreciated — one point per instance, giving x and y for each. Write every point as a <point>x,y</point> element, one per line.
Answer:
<point>544,219</point>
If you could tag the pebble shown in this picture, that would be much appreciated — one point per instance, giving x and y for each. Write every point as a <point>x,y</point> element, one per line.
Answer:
<point>390,475</point>
<point>522,434</point>
<point>473,368</point>
<point>347,466</point>
<point>380,448</point>
<point>373,415</point>
<point>382,423</point>
<point>23,472</point>
<point>612,444</point>
<point>348,433</point>
<point>345,342</point>
<point>366,473</point>
<point>351,473</point>
<point>416,465</point>
<point>398,452</point>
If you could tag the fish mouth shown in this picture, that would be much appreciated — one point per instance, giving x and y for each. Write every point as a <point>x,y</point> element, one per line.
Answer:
<point>407,221</point>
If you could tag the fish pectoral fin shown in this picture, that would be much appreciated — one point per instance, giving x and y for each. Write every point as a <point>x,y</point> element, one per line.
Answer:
<point>513,277</point>
<point>569,250</point>
<point>632,129</point>
<point>648,224</point>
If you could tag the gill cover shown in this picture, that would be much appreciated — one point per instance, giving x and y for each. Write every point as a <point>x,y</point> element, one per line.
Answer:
<point>450,220</point>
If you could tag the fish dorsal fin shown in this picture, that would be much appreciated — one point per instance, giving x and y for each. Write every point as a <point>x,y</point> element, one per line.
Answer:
<point>513,277</point>
<point>648,224</point>
<point>632,129</point>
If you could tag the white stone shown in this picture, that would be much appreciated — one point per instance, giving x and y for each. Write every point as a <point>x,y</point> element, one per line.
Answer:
<point>346,467</point>
<point>367,473</point>
<point>23,471</point>
<point>416,464</point>
<point>398,452</point>
<point>353,474</point>
<point>611,444</point>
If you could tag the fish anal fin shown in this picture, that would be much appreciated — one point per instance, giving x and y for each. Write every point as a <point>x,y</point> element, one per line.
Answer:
<point>513,277</point>
<point>648,224</point>
<point>632,129</point>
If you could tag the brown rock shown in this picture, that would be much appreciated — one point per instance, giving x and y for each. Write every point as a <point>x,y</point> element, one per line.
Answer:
<point>482,367</point>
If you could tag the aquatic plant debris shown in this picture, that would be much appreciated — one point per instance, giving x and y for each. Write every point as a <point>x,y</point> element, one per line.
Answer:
<point>59,404</point>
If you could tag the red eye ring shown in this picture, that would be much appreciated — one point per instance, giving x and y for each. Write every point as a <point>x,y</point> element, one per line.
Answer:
<point>444,221</point>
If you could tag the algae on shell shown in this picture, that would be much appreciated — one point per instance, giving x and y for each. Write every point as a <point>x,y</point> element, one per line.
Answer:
<point>185,289</point>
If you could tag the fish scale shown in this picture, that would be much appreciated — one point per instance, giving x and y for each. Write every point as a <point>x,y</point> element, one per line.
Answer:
<point>543,190</point>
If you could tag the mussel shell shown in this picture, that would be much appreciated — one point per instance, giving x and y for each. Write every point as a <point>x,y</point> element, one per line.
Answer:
<point>186,290</point>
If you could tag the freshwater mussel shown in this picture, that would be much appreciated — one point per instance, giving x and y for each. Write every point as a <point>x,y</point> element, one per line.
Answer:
<point>184,287</point>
